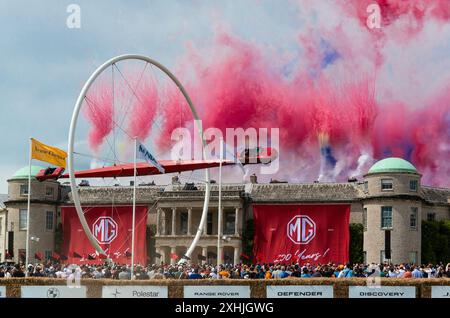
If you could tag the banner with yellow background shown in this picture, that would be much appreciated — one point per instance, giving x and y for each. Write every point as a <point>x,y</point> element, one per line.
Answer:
<point>48,154</point>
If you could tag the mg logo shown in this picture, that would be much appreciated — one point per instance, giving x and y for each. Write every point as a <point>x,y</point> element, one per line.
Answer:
<point>104,229</point>
<point>301,229</point>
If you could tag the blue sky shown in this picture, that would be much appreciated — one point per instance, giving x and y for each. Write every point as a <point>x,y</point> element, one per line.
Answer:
<point>43,63</point>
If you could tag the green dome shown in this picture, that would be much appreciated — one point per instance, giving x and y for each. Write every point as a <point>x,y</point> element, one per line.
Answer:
<point>393,165</point>
<point>22,173</point>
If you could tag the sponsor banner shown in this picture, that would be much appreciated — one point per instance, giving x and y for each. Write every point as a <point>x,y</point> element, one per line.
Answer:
<point>301,233</point>
<point>299,291</point>
<point>217,291</point>
<point>134,292</point>
<point>48,154</point>
<point>2,291</point>
<point>382,292</point>
<point>53,292</point>
<point>440,292</point>
<point>111,227</point>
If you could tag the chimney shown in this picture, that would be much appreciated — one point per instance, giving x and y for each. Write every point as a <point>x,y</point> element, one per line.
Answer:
<point>253,178</point>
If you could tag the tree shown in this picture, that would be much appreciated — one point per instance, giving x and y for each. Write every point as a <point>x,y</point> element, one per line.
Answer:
<point>356,243</point>
<point>247,241</point>
<point>435,241</point>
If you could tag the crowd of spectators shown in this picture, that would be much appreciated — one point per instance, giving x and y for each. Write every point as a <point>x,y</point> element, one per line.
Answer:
<point>226,271</point>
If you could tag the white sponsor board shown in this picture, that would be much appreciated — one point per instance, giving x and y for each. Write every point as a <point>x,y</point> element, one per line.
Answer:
<point>53,292</point>
<point>134,291</point>
<point>440,292</point>
<point>299,291</point>
<point>382,292</point>
<point>2,291</point>
<point>221,291</point>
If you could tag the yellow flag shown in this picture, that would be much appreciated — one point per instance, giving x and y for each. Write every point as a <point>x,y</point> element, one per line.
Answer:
<point>48,154</point>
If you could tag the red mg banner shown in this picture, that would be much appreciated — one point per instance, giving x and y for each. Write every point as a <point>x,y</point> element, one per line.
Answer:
<point>301,233</point>
<point>111,227</point>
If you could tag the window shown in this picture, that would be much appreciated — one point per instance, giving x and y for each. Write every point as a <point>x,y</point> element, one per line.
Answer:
<point>413,185</point>
<point>365,219</point>
<point>383,258</point>
<point>365,257</point>
<point>366,186</point>
<point>209,226</point>
<point>1,227</point>
<point>49,220</point>
<point>413,218</point>
<point>431,216</point>
<point>47,255</point>
<point>49,191</point>
<point>183,222</point>
<point>386,184</point>
<point>23,189</point>
<point>23,219</point>
<point>229,223</point>
<point>386,217</point>
<point>413,257</point>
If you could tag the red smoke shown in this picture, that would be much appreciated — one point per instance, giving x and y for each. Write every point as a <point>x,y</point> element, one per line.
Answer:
<point>98,110</point>
<point>331,89</point>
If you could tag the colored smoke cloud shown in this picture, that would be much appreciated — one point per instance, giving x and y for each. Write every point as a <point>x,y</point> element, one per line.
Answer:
<point>347,97</point>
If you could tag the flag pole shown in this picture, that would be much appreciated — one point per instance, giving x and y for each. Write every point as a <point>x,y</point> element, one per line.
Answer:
<point>134,210</point>
<point>219,212</point>
<point>27,243</point>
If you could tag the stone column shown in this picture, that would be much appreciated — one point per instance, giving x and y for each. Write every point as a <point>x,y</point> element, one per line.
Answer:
<point>236,221</point>
<point>189,221</point>
<point>205,254</point>
<point>220,258</point>
<point>158,225</point>
<point>174,221</point>
<point>237,255</point>
<point>163,222</point>
<point>172,251</point>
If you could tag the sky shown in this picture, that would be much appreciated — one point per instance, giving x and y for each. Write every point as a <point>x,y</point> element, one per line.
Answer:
<point>44,63</point>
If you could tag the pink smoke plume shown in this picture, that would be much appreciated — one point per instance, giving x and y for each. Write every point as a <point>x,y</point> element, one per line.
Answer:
<point>335,102</point>
<point>99,111</point>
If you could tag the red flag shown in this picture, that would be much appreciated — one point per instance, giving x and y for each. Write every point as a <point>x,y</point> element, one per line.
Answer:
<point>56,256</point>
<point>76,255</point>
<point>38,255</point>
<point>244,256</point>
<point>173,256</point>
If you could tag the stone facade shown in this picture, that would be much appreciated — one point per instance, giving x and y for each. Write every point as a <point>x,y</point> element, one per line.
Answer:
<point>382,201</point>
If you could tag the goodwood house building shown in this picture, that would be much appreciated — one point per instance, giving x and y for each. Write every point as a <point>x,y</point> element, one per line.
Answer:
<point>390,202</point>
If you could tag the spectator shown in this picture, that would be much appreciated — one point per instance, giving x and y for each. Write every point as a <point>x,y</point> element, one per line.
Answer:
<point>416,273</point>
<point>194,274</point>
